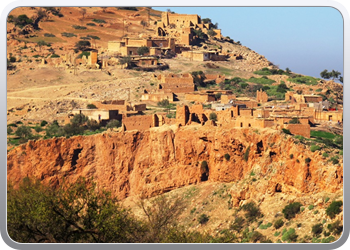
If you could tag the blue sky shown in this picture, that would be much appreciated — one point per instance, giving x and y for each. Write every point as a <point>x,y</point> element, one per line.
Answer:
<point>305,39</point>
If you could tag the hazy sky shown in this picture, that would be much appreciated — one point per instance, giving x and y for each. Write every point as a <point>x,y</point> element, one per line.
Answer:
<point>305,39</point>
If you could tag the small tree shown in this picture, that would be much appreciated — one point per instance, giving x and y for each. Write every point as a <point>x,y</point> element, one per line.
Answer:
<point>213,116</point>
<point>317,229</point>
<point>142,50</point>
<point>82,45</point>
<point>211,32</point>
<point>334,208</point>
<point>291,210</point>
<point>113,124</point>
<point>24,132</point>
<point>91,106</point>
<point>203,218</point>
<point>252,211</point>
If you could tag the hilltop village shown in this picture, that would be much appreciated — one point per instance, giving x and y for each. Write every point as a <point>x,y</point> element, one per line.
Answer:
<point>172,119</point>
<point>181,37</point>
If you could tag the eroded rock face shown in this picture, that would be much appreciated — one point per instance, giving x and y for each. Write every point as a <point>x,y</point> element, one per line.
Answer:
<point>161,159</point>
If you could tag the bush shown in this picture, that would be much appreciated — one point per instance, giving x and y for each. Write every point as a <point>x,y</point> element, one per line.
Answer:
<point>291,156</point>
<point>68,34</point>
<point>307,160</point>
<point>238,224</point>
<point>203,218</point>
<point>9,130</point>
<point>78,27</point>
<point>278,223</point>
<point>54,56</point>
<point>335,228</point>
<point>98,20</point>
<point>334,208</point>
<point>163,103</point>
<point>38,129</point>
<point>227,157</point>
<point>294,121</point>
<point>252,211</point>
<point>113,124</point>
<point>91,106</point>
<point>290,235</point>
<point>265,226</point>
<point>213,116</point>
<point>314,148</point>
<point>91,24</point>
<point>142,50</point>
<point>24,132</point>
<point>49,35</point>
<point>325,155</point>
<point>246,154</point>
<point>311,207</point>
<point>317,229</point>
<point>286,131</point>
<point>291,210</point>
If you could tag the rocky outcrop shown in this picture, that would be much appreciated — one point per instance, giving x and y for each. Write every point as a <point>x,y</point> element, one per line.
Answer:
<point>162,159</point>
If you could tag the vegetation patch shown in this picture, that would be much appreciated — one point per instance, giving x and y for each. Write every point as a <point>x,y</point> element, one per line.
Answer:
<point>291,210</point>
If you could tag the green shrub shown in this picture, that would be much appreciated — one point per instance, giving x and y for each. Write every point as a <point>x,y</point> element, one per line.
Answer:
<point>78,27</point>
<point>238,224</point>
<point>311,207</point>
<point>68,34</point>
<point>325,155</point>
<point>276,234</point>
<point>252,211</point>
<point>24,132</point>
<point>307,160</point>
<point>314,148</point>
<point>291,210</point>
<point>326,200</point>
<point>316,212</point>
<point>334,208</point>
<point>113,124</point>
<point>43,123</point>
<point>38,129</point>
<point>227,157</point>
<point>9,130</point>
<point>290,235</point>
<point>286,131</point>
<point>203,218</point>
<point>98,20</point>
<point>317,229</point>
<point>91,106</point>
<point>163,103</point>
<point>335,228</point>
<point>54,56</point>
<point>246,154</point>
<point>265,226</point>
<point>334,160</point>
<point>213,116</point>
<point>278,223</point>
<point>328,240</point>
<point>49,35</point>
<point>294,121</point>
<point>91,24</point>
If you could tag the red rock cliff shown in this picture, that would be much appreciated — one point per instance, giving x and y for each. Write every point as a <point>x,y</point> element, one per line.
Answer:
<point>161,159</point>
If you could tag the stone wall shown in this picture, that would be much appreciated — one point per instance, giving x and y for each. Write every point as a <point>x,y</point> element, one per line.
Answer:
<point>157,97</point>
<point>261,96</point>
<point>138,122</point>
<point>299,129</point>
<point>200,98</point>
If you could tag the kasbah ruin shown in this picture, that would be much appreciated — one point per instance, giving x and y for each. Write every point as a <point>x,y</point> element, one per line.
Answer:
<point>181,94</point>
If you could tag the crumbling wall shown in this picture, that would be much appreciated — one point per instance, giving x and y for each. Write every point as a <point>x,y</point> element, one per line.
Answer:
<point>157,97</point>
<point>261,96</point>
<point>299,129</point>
<point>138,122</point>
<point>200,98</point>
<point>226,98</point>
<point>182,114</point>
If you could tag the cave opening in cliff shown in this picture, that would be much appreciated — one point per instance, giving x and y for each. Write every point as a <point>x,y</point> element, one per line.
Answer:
<point>204,171</point>
<point>75,156</point>
<point>278,188</point>
<point>259,147</point>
